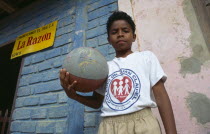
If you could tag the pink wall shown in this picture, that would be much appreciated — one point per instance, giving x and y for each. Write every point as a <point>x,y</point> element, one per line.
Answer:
<point>170,29</point>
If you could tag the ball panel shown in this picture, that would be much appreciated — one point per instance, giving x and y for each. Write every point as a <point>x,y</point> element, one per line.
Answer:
<point>86,62</point>
<point>86,85</point>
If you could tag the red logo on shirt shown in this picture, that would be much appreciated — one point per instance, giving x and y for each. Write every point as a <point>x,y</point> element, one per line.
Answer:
<point>121,88</point>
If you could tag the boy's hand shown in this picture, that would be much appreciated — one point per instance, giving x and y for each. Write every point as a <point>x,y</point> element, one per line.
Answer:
<point>93,101</point>
<point>65,83</point>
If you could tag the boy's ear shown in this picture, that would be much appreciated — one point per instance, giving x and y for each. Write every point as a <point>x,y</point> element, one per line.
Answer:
<point>134,37</point>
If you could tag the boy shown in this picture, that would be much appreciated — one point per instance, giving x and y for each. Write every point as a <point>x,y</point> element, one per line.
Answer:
<point>134,85</point>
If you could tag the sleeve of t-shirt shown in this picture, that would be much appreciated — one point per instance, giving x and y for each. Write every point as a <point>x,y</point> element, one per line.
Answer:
<point>156,71</point>
<point>101,90</point>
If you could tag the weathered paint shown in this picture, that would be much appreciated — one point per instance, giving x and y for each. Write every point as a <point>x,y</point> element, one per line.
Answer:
<point>190,65</point>
<point>200,53</point>
<point>126,4</point>
<point>170,29</point>
<point>199,105</point>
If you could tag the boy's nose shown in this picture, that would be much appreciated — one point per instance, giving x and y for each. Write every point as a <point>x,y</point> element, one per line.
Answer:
<point>120,34</point>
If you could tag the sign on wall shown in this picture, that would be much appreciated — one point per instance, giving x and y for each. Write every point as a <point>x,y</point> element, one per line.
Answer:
<point>35,40</point>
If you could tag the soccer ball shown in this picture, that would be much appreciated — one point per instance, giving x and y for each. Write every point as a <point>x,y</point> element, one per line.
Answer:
<point>88,67</point>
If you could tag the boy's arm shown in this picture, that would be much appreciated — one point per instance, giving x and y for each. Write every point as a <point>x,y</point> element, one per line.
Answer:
<point>164,107</point>
<point>93,101</point>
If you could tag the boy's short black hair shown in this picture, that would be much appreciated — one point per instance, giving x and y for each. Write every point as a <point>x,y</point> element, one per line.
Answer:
<point>119,15</point>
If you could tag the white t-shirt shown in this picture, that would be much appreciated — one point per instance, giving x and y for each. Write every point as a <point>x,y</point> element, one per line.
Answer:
<point>128,86</point>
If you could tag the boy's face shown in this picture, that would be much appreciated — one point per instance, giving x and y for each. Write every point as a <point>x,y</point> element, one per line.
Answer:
<point>121,36</point>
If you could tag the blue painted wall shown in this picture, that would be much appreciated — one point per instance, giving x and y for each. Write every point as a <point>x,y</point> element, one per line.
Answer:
<point>41,105</point>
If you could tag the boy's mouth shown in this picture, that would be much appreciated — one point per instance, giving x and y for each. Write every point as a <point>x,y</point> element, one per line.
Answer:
<point>120,41</point>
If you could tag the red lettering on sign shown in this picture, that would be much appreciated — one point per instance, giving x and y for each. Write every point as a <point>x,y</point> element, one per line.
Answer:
<point>20,45</point>
<point>35,40</point>
<point>29,41</point>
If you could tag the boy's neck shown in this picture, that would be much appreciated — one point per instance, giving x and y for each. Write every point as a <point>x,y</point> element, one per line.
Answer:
<point>123,54</point>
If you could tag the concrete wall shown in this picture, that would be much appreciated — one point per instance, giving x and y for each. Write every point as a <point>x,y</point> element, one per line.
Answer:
<point>41,105</point>
<point>170,29</point>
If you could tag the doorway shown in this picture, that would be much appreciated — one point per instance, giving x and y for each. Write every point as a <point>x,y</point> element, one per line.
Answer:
<point>9,71</point>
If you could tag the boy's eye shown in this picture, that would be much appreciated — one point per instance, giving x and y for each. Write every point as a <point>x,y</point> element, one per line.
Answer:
<point>126,30</point>
<point>113,32</point>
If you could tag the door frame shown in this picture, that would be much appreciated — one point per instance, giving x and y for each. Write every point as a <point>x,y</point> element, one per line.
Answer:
<point>18,80</point>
